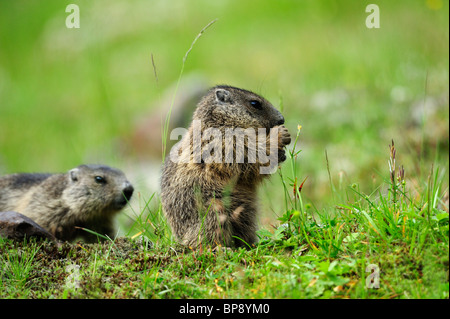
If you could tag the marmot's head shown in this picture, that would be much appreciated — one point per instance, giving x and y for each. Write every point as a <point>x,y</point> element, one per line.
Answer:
<point>227,106</point>
<point>97,190</point>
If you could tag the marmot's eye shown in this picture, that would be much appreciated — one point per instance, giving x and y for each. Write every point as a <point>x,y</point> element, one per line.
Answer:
<point>100,180</point>
<point>256,104</point>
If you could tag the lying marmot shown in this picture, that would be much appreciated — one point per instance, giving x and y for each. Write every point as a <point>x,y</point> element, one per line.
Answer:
<point>87,196</point>
<point>206,197</point>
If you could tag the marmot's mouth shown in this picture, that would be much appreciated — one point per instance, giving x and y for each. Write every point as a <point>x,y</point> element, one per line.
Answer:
<point>125,197</point>
<point>121,203</point>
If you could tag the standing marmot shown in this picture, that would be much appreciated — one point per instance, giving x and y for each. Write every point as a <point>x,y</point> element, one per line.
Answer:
<point>87,196</point>
<point>206,197</point>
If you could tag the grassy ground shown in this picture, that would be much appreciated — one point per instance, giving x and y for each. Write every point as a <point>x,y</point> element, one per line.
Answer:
<point>387,244</point>
<point>67,96</point>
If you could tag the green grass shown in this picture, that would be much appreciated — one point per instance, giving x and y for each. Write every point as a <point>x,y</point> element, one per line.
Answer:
<point>72,96</point>
<point>307,254</point>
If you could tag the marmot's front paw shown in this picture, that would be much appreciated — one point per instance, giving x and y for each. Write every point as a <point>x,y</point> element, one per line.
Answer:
<point>284,138</point>
<point>281,155</point>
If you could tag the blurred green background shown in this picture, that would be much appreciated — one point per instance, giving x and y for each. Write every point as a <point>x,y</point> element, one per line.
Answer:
<point>69,96</point>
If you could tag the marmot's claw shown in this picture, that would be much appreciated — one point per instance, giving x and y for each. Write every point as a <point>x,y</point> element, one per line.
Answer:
<point>284,137</point>
<point>281,156</point>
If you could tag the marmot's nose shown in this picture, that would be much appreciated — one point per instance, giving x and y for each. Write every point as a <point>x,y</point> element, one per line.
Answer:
<point>128,191</point>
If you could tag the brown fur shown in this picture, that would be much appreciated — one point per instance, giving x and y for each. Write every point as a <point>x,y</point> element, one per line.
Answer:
<point>60,202</point>
<point>215,203</point>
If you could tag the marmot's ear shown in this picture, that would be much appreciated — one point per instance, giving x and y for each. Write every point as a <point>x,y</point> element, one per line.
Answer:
<point>223,96</point>
<point>73,174</point>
